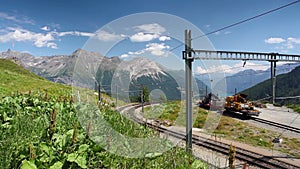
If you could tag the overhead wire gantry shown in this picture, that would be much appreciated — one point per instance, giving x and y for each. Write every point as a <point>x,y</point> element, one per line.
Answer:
<point>190,54</point>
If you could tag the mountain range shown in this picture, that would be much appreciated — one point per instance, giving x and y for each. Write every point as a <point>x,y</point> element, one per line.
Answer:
<point>87,69</point>
<point>248,78</point>
<point>287,85</point>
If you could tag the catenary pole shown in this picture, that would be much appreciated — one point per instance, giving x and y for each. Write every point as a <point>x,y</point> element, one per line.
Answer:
<point>188,88</point>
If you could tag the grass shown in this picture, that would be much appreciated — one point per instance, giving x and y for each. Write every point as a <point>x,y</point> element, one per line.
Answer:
<point>172,111</point>
<point>45,132</point>
<point>246,133</point>
<point>14,78</point>
<point>295,107</point>
<point>167,111</point>
<point>40,128</point>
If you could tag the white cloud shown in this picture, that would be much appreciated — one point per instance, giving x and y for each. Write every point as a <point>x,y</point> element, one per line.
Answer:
<point>146,37</point>
<point>64,33</point>
<point>52,45</point>
<point>164,38</point>
<point>232,69</point>
<point>149,32</point>
<point>74,33</point>
<point>24,19</point>
<point>285,44</point>
<point>289,45</point>
<point>255,66</point>
<point>294,40</point>
<point>274,40</point>
<point>153,28</point>
<point>200,70</point>
<point>133,53</point>
<point>87,34</point>
<point>45,28</point>
<point>124,56</point>
<point>157,49</point>
<point>106,36</point>
<point>43,40</point>
<point>215,69</point>
<point>7,17</point>
<point>38,39</point>
<point>137,52</point>
<point>142,37</point>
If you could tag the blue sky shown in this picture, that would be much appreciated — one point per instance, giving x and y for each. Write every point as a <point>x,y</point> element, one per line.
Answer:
<point>55,27</point>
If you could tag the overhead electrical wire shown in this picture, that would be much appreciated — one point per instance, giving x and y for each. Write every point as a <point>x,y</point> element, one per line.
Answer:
<point>240,22</point>
<point>249,19</point>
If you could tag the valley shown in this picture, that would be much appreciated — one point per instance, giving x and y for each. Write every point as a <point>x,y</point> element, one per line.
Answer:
<point>59,70</point>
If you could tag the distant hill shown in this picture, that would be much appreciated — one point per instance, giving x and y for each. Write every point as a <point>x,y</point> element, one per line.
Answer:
<point>286,85</point>
<point>60,68</point>
<point>15,78</point>
<point>242,80</point>
<point>83,68</point>
<point>245,79</point>
<point>248,78</point>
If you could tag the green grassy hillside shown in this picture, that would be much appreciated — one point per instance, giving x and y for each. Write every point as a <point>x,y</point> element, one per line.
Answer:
<point>45,132</point>
<point>14,78</point>
<point>286,85</point>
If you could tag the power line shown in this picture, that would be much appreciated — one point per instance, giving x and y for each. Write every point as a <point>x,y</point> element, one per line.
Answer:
<point>240,22</point>
<point>249,19</point>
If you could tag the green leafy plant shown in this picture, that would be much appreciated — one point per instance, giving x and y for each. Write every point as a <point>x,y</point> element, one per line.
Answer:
<point>42,131</point>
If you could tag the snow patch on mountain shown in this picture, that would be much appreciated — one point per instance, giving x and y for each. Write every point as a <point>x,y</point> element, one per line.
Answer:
<point>141,66</point>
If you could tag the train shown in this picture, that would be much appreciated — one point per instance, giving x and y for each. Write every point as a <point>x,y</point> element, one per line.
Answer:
<point>233,104</point>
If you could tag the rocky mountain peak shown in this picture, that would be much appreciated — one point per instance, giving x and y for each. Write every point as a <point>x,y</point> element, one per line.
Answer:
<point>115,59</point>
<point>141,66</point>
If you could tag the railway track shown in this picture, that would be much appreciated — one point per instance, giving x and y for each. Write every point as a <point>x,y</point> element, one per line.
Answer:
<point>275,124</point>
<point>252,158</point>
<point>120,109</point>
<point>267,122</point>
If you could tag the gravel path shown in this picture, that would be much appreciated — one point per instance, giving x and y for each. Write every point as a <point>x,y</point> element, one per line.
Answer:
<point>281,115</point>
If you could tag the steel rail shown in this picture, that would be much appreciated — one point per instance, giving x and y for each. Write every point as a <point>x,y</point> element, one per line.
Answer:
<point>253,158</point>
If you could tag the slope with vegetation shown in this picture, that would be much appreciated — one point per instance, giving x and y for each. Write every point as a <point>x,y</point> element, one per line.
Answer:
<point>14,78</point>
<point>286,85</point>
<point>41,130</point>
